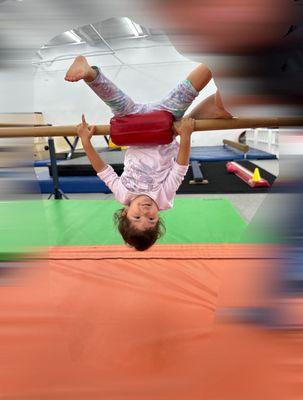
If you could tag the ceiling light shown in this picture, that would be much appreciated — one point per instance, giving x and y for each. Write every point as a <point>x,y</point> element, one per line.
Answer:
<point>135,28</point>
<point>72,35</point>
<point>139,29</point>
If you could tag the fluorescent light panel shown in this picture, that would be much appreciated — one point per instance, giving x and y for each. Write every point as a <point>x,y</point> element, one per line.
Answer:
<point>139,29</point>
<point>72,35</point>
<point>134,28</point>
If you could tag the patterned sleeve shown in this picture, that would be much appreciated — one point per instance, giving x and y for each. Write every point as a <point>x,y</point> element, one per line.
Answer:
<point>110,178</point>
<point>174,179</point>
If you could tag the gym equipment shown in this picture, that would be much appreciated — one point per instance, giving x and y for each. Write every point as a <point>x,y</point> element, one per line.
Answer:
<point>80,177</point>
<point>57,192</point>
<point>25,119</point>
<point>151,129</point>
<point>20,125</point>
<point>198,177</point>
<point>219,181</point>
<point>81,166</point>
<point>189,290</point>
<point>71,184</point>
<point>199,289</point>
<point>113,146</point>
<point>54,223</point>
<point>253,179</point>
<point>200,125</point>
<point>239,146</point>
<point>227,153</point>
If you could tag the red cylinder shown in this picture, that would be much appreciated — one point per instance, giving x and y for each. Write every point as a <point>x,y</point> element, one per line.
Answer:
<point>149,129</point>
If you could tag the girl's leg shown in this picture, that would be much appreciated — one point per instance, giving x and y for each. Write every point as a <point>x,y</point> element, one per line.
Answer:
<point>212,106</point>
<point>199,77</point>
<point>177,101</point>
<point>180,98</point>
<point>118,101</point>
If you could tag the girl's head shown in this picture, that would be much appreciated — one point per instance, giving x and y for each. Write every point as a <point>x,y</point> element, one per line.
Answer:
<point>139,223</point>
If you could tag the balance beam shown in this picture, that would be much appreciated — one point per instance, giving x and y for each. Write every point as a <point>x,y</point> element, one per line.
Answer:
<point>235,145</point>
<point>197,174</point>
<point>200,125</point>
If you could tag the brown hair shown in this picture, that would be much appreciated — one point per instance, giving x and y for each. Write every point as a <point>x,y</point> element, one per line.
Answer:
<point>140,240</point>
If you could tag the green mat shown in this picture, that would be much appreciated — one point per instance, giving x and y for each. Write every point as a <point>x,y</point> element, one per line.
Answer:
<point>30,224</point>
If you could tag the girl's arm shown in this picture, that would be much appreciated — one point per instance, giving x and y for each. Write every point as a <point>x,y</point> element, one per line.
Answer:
<point>85,132</point>
<point>104,171</point>
<point>184,129</point>
<point>96,161</point>
<point>184,151</point>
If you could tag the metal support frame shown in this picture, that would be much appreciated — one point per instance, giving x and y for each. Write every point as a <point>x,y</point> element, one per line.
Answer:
<point>57,192</point>
<point>72,146</point>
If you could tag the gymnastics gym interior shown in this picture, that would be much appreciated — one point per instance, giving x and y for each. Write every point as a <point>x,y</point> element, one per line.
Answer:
<point>214,309</point>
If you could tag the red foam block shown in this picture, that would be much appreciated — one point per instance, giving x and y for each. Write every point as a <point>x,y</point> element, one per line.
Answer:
<point>246,175</point>
<point>149,129</point>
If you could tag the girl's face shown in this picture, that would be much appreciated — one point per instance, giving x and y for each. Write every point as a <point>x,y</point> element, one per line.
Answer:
<point>142,212</point>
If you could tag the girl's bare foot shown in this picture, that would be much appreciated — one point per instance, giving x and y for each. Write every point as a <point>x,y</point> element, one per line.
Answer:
<point>80,69</point>
<point>221,112</point>
<point>211,107</point>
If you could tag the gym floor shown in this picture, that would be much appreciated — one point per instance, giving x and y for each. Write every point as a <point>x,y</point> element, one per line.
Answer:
<point>245,203</point>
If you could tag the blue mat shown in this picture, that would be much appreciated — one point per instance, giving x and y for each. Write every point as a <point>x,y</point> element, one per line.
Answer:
<point>255,154</point>
<point>208,153</point>
<point>214,153</point>
<point>41,163</point>
<point>72,184</point>
<point>221,153</point>
<point>92,184</point>
<point>45,163</point>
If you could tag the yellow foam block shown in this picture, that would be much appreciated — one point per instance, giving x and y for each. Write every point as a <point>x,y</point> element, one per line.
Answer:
<point>112,145</point>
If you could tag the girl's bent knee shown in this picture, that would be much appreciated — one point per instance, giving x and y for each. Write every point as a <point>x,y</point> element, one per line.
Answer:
<point>205,70</point>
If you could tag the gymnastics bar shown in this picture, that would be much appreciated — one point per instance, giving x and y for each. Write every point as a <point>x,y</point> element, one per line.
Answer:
<point>200,125</point>
<point>19,125</point>
<point>235,145</point>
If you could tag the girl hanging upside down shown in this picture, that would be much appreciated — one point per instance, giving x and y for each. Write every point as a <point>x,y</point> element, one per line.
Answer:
<point>152,174</point>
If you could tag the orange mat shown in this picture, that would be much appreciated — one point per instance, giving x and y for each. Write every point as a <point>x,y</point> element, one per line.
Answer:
<point>86,323</point>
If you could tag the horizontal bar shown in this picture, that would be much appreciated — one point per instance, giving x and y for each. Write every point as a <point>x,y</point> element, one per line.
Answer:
<point>46,131</point>
<point>19,125</point>
<point>251,122</point>
<point>200,125</point>
<point>235,145</point>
